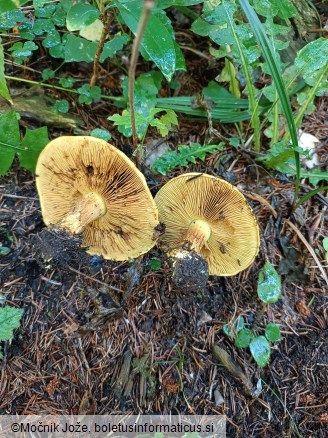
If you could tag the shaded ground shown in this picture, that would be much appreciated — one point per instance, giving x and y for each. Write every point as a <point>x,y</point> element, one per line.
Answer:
<point>72,354</point>
<point>77,351</point>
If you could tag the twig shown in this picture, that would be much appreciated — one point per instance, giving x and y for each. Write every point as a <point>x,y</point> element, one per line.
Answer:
<point>105,22</point>
<point>6,195</point>
<point>311,251</point>
<point>116,289</point>
<point>147,7</point>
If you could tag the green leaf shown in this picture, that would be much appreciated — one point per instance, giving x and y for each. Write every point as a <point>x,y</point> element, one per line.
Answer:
<point>315,175</point>
<point>158,38</point>
<point>79,49</point>
<point>165,122</point>
<point>4,92</point>
<point>325,246</point>
<point>9,321</point>
<point>8,5</point>
<point>48,73</point>
<point>272,60</point>
<point>312,58</point>
<point>100,133</point>
<point>67,82</point>
<point>325,243</point>
<point>183,156</point>
<point>88,94</point>
<point>244,338</point>
<point>155,264</point>
<point>62,106</point>
<point>114,45</point>
<point>39,3</point>
<point>52,39</point>
<point>4,250</point>
<point>272,332</point>
<point>274,8</point>
<point>9,140</point>
<point>269,284</point>
<point>123,123</point>
<point>33,142</point>
<point>80,16</point>
<point>260,349</point>
<point>233,328</point>
<point>280,157</point>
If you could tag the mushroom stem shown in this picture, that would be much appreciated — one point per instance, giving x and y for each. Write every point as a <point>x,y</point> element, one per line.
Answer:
<point>89,207</point>
<point>198,234</point>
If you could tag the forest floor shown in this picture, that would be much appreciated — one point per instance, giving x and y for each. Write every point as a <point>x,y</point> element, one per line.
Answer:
<point>78,352</point>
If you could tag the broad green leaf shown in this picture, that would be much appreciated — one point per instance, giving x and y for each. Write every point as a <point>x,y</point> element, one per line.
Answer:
<point>9,321</point>
<point>113,46</point>
<point>260,349</point>
<point>93,31</point>
<point>312,57</point>
<point>183,156</point>
<point>269,284</point>
<point>8,5</point>
<point>100,133</point>
<point>33,143</point>
<point>9,140</point>
<point>274,8</point>
<point>272,332</point>
<point>244,338</point>
<point>157,41</point>
<point>80,16</point>
<point>79,49</point>
<point>4,92</point>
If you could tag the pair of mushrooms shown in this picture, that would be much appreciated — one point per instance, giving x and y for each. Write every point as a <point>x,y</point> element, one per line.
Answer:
<point>88,186</point>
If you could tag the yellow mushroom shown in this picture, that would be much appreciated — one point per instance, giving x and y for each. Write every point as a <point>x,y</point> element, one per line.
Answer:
<point>88,186</point>
<point>208,217</point>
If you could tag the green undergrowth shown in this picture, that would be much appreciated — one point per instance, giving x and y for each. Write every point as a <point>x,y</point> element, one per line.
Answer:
<point>247,38</point>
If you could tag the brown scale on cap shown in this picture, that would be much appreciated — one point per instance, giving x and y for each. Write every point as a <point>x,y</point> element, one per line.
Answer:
<point>208,216</point>
<point>88,186</point>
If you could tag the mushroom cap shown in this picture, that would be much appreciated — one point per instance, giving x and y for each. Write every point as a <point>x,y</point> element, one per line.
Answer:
<point>233,241</point>
<point>70,167</point>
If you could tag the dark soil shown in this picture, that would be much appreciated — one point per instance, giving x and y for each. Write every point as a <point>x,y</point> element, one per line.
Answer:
<point>104,337</point>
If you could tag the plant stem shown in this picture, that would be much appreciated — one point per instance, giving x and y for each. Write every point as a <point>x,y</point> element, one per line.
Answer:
<point>253,105</point>
<point>147,7</point>
<point>105,21</point>
<point>55,87</point>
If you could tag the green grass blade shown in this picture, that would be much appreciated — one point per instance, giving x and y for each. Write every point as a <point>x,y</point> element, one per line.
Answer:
<point>269,56</point>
